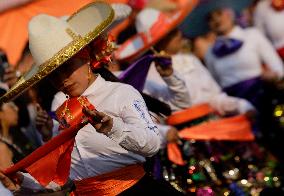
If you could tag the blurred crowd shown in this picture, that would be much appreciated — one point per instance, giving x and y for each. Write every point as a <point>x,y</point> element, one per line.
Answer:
<point>231,73</point>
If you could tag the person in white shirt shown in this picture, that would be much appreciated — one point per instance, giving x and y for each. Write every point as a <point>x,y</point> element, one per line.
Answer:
<point>121,133</point>
<point>201,86</point>
<point>269,19</point>
<point>240,56</point>
<point>246,65</point>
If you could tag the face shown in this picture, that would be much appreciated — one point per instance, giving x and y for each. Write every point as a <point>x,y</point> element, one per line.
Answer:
<point>172,44</point>
<point>73,77</point>
<point>221,21</point>
<point>9,114</point>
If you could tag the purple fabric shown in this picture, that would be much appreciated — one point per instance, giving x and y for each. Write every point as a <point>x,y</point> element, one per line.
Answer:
<point>137,72</point>
<point>226,46</point>
<point>252,90</point>
<point>163,61</point>
<point>157,169</point>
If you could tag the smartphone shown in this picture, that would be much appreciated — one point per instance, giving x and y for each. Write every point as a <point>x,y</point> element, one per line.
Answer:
<point>3,64</point>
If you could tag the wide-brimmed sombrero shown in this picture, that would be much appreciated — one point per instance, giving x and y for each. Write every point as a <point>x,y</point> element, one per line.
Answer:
<point>53,41</point>
<point>152,25</point>
<point>196,22</point>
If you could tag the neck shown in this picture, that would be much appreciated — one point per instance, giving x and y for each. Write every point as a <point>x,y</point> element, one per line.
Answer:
<point>92,79</point>
<point>228,31</point>
<point>5,129</point>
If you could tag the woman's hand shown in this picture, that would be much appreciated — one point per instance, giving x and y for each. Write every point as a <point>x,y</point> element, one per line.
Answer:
<point>269,76</point>
<point>172,135</point>
<point>100,121</point>
<point>9,183</point>
<point>44,123</point>
<point>11,76</point>
<point>163,65</point>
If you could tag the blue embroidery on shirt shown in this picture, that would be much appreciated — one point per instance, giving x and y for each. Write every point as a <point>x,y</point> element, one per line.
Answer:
<point>141,108</point>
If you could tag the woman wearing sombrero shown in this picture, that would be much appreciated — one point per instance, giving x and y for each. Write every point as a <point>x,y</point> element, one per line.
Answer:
<point>106,155</point>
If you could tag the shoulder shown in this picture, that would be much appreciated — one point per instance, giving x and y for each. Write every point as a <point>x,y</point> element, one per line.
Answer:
<point>58,100</point>
<point>209,57</point>
<point>253,33</point>
<point>123,91</point>
<point>262,5</point>
<point>252,30</point>
<point>4,149</point>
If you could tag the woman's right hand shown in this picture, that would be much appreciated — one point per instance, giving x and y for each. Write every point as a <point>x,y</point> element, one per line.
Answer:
<point>44,123</point>
<point>9,183</point>
<point>172,135</point>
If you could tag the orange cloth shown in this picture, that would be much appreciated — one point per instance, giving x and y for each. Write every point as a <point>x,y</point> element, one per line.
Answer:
<point>110,184</point>
<point>52,161</point>
<point>174,154</point>
<point>236,128</point>
<point>14,23</point>
<point>189,114</point>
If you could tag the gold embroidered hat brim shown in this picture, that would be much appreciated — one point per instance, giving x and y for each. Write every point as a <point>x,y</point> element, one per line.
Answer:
<point>37,73</point>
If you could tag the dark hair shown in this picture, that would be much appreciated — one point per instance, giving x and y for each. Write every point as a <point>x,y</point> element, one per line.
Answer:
<point>154,105</point>
<point>165,40</point>
<point>2,92</point>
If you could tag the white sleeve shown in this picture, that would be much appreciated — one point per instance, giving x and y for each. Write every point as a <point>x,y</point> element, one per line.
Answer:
<point>171,90</point>
<point>225,104</point>
<point>268,54</point>
<point>134,129</point>
<point>163,129</point>
<point>4,191</point>
<point>30,182</point>
<point>177,91</point>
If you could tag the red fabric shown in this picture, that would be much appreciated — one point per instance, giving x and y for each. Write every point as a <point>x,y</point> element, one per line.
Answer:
<point>236,128</point>
<point>51,162</point>
<point>110,184</point>
<point>101,49</point>
<point>281,52</point>
<point>189,114</point>
<point>278,4</point>
<point>137,4</point>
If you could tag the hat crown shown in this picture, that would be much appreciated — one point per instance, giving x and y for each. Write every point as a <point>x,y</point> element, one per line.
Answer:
<point>146,19</point>
<point>47,36</point>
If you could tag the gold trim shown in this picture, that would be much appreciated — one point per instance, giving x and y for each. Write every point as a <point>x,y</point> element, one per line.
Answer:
<point>58,59</point>
<point>72,34</point>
